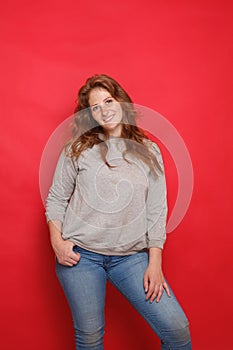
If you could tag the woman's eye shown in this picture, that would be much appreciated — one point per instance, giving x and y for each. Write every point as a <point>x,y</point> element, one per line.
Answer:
<point>109,101</point>
<point>95,108</point>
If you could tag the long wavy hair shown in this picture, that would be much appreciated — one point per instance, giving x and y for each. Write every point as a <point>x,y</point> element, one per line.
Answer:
<point>87,132</point>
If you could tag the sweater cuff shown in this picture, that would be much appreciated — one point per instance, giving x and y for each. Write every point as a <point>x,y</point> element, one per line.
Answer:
<point>156,243</point>
<point>55,217</point>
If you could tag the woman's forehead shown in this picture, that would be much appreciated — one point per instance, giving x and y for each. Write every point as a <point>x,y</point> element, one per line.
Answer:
<point>98,95</point>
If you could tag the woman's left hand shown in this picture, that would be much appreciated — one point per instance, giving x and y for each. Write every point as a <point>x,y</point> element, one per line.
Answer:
<point>154,282</point>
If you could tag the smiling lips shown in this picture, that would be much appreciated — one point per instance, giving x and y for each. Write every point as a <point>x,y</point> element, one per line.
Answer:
<point>106,120</point>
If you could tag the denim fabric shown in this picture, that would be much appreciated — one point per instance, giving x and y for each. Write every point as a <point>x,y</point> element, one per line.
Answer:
<point>84,285</point>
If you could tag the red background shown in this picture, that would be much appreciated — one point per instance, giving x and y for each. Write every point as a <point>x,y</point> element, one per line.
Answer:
<point>172,56</point>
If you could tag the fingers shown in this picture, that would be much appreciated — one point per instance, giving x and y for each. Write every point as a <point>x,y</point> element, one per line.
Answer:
<point>75,256</point>
<point>146,284</point>
<point>167,289</point>
<point>155,291</point>
<point>66,263</point>
<point>158,295</point>
<point>73,259</point>
<point>66,256</point>
<point>70,260</point>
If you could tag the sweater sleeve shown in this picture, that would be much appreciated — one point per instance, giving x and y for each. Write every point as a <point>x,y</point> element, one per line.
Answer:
<point>62,187</point>
<point>156,204</point>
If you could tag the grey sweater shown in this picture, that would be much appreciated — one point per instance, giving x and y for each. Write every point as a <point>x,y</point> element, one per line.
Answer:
<point>116,211</point>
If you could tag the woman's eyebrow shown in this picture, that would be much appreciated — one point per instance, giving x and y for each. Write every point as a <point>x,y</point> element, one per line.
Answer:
<point>103,101</point>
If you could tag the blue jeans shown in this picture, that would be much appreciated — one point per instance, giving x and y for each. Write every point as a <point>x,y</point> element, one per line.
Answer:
<point>84,285</point>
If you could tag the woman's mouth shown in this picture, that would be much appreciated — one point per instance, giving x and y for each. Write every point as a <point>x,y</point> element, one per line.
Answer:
<point>108,119</point>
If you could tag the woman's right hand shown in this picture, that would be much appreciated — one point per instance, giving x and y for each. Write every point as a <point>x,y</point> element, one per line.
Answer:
<point>65,254</point>
<point>63,249</point>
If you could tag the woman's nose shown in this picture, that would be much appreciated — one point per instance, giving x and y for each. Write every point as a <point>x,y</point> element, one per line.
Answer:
<point>104,109</point>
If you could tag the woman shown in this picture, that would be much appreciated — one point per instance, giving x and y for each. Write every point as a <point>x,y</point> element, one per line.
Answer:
<point>106,211</point>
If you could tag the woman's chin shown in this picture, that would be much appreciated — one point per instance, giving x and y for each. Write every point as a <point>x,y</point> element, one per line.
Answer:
<point>113,128</point>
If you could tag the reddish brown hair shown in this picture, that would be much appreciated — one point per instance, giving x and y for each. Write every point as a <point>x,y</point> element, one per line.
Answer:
<point>86,130</point>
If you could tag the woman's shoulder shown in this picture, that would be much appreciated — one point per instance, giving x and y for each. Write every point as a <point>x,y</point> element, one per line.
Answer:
<point>65,158</point>
<point>153,146</point>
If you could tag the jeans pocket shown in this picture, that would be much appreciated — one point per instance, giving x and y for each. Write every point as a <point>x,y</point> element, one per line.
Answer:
<point>76,249</point>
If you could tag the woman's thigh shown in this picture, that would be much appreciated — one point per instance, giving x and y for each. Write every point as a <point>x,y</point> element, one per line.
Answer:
<point>166,317</point>
<point>84,285</point>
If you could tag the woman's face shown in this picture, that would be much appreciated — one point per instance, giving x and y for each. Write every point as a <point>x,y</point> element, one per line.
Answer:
<point>106,110</point>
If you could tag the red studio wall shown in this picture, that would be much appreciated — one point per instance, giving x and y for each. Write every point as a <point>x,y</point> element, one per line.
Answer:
<point>172,56</point>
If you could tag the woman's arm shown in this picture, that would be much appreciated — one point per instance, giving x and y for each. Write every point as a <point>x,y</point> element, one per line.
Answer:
<point>56,204</point>
<point>156,204</point>
<point>62,188</point>
<point>154,282</point>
